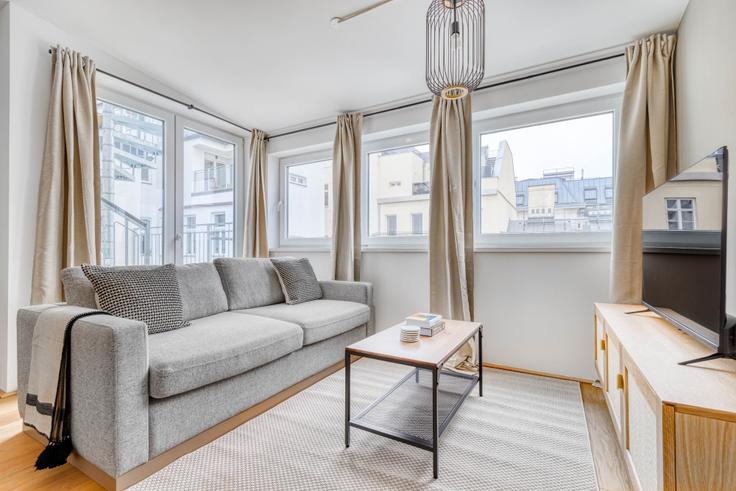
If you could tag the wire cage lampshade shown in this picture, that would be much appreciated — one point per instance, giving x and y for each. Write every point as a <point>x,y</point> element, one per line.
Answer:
<point>455,47</point>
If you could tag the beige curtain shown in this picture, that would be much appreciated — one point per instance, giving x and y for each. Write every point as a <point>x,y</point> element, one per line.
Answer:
<point>68,220</point>
<point>346,197</point>
<point>646,156</point>
<point>256,240</point>
<point>451,217</point>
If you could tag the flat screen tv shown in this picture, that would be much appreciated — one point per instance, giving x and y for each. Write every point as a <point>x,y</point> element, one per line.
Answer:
<point>684,243</point>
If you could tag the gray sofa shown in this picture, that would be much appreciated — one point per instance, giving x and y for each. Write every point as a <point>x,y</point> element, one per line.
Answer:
<point>135,395</point>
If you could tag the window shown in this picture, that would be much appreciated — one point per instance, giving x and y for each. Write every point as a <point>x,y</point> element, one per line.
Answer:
<point>127,238</point>
<point>308,200</point>
<point>390,224</point>
<point>208,163</point>
<point>544,177</point>
<point>681,213</point>
<point>398,191</point>
<point>190,235</point>
<point>609,194</point>
<point>417,223</point>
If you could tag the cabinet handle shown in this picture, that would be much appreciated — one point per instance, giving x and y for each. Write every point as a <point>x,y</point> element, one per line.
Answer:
<point>620,382</point>
<point>603,345</point>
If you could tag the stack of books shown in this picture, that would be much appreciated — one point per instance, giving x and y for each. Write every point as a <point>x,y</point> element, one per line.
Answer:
<point>429,324</point>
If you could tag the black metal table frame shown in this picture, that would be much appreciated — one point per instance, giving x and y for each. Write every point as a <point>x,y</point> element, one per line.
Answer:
<point>437,430</point>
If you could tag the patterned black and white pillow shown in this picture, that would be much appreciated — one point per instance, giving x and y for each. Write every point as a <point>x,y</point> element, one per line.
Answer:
<point>148,295</point>
<point>297,279</point>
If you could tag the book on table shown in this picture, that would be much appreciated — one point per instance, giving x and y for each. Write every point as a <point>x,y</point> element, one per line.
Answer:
<point>423,319</point>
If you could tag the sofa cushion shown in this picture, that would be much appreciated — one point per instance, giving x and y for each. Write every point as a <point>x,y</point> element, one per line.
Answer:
<point>249,282</point>
<point>150,296</point>
<point>215,348</point>
<point>201,289</point>
<point>320,319</point>
<point>297,279</point>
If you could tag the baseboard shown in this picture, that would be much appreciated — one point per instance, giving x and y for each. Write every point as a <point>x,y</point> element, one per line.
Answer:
<point>4,395</point>
<point>159,462</point>
<point>538,373</point>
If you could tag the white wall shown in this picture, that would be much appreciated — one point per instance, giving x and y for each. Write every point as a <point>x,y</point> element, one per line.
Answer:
<point>536,307</point>
<point>25,68</point>
<point>4,181</point>
<point>706,99</point>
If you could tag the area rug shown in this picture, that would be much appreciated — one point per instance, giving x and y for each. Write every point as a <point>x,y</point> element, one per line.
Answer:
<point>525,433</point>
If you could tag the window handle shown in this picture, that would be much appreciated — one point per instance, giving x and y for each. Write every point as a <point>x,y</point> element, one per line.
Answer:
<point>177,237</point>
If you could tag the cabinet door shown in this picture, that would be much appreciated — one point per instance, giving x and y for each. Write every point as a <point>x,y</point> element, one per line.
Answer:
<point>600,353</point>
<point>642,429</point>
<point>615,386</point>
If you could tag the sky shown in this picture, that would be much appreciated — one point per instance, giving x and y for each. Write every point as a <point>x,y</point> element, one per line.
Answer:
<point>583,143</point>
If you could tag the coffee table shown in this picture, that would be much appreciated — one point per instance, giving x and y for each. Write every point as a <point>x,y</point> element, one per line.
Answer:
<point>420,406</point>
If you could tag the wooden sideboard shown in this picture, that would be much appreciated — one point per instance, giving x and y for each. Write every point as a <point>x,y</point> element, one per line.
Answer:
<point>676,424</point>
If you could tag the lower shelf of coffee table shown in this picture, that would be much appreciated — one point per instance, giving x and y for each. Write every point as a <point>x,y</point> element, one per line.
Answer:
<point>404,413</point>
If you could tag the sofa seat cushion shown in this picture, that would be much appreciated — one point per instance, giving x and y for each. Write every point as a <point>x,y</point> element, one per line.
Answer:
<point>215,348</point>
<point>320,319</point>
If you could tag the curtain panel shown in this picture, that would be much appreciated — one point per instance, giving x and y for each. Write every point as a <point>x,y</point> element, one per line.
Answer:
<point>346,197</point>
<point>68,217</point>
<point>451,217</point>
<point>647,155</point>
<point>256,238</point>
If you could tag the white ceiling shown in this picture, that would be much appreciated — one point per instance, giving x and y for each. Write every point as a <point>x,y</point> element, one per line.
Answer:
<point>278,63</point>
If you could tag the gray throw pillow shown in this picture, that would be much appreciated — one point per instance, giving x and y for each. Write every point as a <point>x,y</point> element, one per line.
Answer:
<point>297,279</point>
<point>151,295</point>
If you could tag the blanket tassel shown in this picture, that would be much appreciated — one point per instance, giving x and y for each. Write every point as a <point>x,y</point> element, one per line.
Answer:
<point>55,454</point>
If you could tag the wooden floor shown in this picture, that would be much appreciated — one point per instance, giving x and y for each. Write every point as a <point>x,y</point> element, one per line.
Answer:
<point>18,452</point>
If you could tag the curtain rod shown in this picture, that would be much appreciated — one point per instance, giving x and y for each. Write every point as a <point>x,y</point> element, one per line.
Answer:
<point>188,105</point>
<point>482,87</point>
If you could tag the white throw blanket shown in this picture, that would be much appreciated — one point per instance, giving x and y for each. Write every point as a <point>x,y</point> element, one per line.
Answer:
<point>47,399</point>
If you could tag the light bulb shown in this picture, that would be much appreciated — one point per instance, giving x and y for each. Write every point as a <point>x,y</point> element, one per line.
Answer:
<point>456,42</point>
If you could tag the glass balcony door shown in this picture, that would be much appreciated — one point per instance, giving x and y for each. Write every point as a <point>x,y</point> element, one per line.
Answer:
<point>207,204</point>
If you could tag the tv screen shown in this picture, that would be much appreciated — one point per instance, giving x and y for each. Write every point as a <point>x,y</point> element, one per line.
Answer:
<point>684,249</point>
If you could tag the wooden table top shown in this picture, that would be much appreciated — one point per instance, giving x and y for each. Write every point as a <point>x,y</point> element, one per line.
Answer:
<point>427,352</point>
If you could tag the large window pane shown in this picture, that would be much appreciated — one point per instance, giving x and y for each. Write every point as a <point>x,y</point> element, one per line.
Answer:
<point>551,177</point>
<point>132,185</point>
<point>398,191</point>
<point>208,197</point>
<point>309,200</point>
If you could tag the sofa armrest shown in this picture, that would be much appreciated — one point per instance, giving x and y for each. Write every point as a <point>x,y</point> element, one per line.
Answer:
<point>109,385</point>
<point>351,291</point>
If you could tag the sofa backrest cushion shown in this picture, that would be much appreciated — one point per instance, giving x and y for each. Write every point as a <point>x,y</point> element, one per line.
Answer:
<point>249,282</point>
<point>201,290</point>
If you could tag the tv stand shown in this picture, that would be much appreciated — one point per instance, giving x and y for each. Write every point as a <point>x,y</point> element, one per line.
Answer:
<point>676,425</point>
<point>714,356</point>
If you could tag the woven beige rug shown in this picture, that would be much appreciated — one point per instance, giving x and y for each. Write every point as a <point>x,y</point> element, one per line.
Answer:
<point>525,433</point>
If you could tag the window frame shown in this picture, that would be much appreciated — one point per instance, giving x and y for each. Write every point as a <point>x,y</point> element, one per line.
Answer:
<point>283,207</point>
<point>583,241</point>
<point>387,241</point>
<point>168,253</point>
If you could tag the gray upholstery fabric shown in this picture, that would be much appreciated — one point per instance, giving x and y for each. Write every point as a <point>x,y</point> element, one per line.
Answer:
<point>320,319</point>
<point>215,348</point>
<point>350,291</point>
<point>171,420</point>
<point>77,288</point>
<point>109,388</point>
<point>249,282</point>
<point>201,290</point>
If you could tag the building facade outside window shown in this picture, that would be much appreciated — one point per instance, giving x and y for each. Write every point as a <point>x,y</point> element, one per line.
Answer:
<point>308,200</point>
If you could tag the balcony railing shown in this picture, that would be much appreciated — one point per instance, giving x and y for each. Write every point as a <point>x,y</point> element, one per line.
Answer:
<point>207,242</point>
<point>210,180</point>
